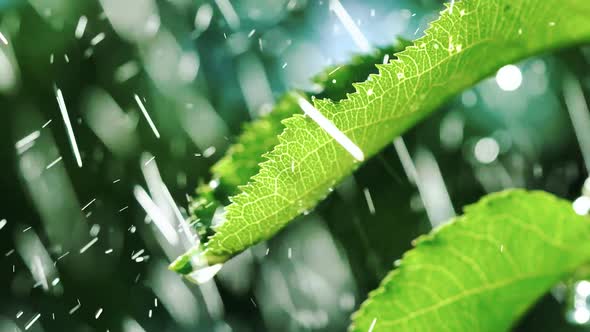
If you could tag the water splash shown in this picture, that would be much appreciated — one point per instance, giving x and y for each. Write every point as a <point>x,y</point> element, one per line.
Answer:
<point>194,266</point>
<point>203,274</point>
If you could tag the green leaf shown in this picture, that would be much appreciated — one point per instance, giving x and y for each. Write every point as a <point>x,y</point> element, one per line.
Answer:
<point>202,209</point>
<point>483,270</point>
<point>464,46</point>
<point>242,160</point>
<point>336,81</point>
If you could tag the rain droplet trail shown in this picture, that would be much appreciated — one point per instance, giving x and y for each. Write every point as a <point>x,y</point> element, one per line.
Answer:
<point>24,143</point>
<point>359,39</point>
<point>155,214</point>
<point>330,128</point>
<point>369,200</point>
<point>579,114</point>
<point>66,117</point>
<point>3,39</point>
<point>97,39</point>
<point>81,26</point>
<point>88,245</point>
<point>32,321</point>
<point>372,325</point>
<point>229,13</point>
<point>405,159</point>
<point>432,189</point>
<point>147,116</point>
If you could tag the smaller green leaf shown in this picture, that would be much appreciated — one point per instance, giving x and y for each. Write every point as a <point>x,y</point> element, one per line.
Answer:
<point>202,209</point>
<point>483,270</point>
<point>336,81</point>
<point>242,158</point>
